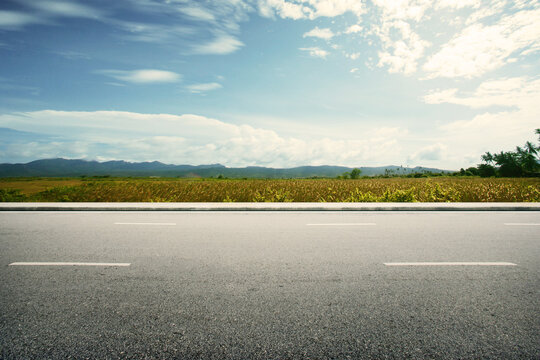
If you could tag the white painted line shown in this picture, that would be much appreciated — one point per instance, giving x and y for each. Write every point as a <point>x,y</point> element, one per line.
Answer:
<point>522,224</point>
<point>450,264</point>
<point>158,224</point>
<point>66,264</point>
<point>344,224</point>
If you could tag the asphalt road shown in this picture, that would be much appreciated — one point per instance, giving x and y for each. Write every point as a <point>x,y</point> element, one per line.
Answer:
<point>270,285</point>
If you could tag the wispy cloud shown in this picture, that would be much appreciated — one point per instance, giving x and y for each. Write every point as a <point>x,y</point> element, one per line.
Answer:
<point>222,44</point>
<point>521,92</point>
<point>152,33</point>
<point>73,55</point>
<point>15,20</point>
<point>316,52</point>
<point>198,13</point>
<point>8,86</point>
<point>204,87</point>
<point>180,23</point>
<point>324,33</point>
<point>142,76</point>
<point>45,12</point>
<point>63,8</point>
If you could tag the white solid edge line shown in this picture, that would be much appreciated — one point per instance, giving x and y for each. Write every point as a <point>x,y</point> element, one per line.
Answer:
<point>343,224</point>
<point>522,224</point>
<point>450,264</point>
<point>123,223</point>
<point>67,264</point>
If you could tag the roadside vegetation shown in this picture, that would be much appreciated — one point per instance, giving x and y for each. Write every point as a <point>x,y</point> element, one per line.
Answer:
<point>512,176</point>
<point>390,189</point>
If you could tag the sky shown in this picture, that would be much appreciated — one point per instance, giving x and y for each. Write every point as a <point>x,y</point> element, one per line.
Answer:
<point>277,83</point>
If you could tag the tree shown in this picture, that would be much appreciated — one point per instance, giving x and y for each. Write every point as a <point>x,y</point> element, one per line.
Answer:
<point>472,171</point>
<point>355,173</point>
<point>509,165</point>
<point>487,157</point>
<point>526,158</point>
<point>486,170</point>
<point>525,161</point>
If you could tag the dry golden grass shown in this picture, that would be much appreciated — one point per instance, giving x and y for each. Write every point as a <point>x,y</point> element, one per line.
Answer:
<point>450,189</point>
<point>31,186</point>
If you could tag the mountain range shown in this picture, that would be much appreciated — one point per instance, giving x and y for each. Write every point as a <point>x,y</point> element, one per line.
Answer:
<point>68,167</point>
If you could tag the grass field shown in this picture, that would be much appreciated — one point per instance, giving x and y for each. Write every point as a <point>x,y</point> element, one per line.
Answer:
<point>441,189</point>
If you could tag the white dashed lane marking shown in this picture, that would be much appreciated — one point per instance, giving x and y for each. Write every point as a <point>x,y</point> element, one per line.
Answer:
<point>155,224</point>
<point>67,264</point>
<point>450,264</point>
<point>343,224</point>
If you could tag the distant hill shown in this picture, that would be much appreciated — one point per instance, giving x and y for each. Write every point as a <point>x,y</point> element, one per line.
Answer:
<point>66,168</point>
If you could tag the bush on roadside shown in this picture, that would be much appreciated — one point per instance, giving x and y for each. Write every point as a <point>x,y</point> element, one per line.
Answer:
<point>11,195</point>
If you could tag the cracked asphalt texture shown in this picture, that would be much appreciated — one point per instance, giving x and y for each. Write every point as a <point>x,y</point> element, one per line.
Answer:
<point>257,285</point>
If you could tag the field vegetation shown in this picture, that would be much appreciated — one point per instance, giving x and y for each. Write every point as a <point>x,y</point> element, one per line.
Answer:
<point>391,189</point>
<point>481,184</point>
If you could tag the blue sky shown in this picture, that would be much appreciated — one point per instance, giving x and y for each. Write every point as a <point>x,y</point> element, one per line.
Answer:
<point>276,83</point>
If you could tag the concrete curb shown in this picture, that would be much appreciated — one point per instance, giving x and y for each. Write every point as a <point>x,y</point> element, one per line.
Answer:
<point>269,206</point>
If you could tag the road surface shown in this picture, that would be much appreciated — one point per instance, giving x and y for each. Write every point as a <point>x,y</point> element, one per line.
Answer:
<point>270,285</point>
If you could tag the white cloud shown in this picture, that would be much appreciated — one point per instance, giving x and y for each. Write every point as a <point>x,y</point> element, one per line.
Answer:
<point>353,56</point>
<point>309,9</point>
<point>333,8</point>
<point>181,23</point>
<point>143,76</point>
<point>482,48</point>
<point>434,152</point>
<point>198,13</point>
<point>457,4</point>
<point>222,44</point>
<point>353,29</point>
<point>493,8</point>
<point>493,130</point>
<point>401,47</point>
<point>187,139</point>
<point>520,92</point>
<point>490,131</point>
<point>316,52</point>
<point>199,88</point>
<point>284,9</point>
<point>403,9</point>
<point>440,96</point>
<point>325,33</point>
<point>153,33</point>
<point>13,20</point>
<point>64,8</point>
<point>45,12</point>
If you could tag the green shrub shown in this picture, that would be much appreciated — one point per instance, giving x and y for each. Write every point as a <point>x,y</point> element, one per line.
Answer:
<point>358,196</point>
<point>10,195</point>
<point>272,195</point>
<point>436,193</point>
<point>398,196</point>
